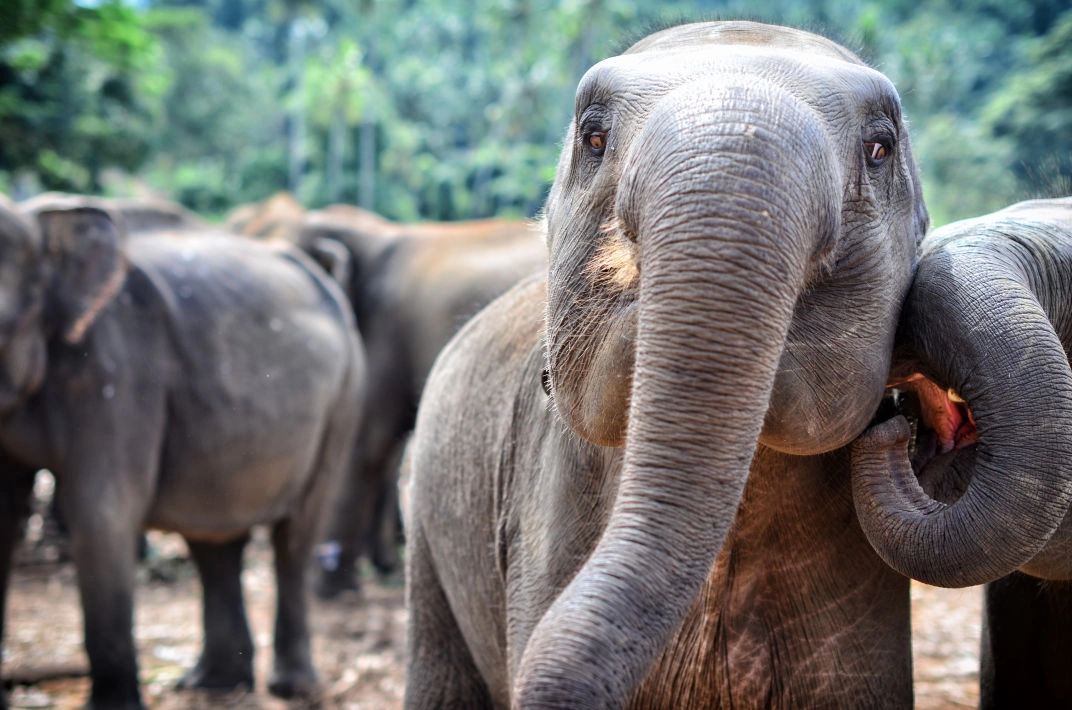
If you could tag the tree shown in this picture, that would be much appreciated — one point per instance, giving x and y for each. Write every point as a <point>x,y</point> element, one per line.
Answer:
<point>76,92</point>
<point>1033,112</point>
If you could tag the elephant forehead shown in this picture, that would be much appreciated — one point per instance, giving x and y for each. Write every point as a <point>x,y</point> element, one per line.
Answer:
<point>643,78</point>
<point>739,33</point>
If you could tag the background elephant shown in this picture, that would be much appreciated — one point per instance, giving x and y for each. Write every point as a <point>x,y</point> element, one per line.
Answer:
<point>412,287</point>
<point>983,362</point>
<point>630,479</point>
<point>202,386</point>
<point>279,216</point>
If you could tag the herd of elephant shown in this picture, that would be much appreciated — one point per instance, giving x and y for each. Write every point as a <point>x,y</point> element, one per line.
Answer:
<point>702,432</point>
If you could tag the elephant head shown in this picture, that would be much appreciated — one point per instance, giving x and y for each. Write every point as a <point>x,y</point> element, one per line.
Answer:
<point>732,229</point>
<point>983,356</point>
<point>58,269</point>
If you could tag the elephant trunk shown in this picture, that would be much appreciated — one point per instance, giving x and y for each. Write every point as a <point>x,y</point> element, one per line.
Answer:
<point>720,195</point>
<point>982,330</point>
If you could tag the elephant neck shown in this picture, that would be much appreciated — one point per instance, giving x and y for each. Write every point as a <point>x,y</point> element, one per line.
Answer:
<point>797,609</point>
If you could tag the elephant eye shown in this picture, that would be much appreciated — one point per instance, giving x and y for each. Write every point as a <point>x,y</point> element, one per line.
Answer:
<point>597,142</point>
<point>876,152</point>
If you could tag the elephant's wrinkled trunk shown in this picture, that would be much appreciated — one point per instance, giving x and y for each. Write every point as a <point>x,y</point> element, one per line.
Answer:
<point>990,340</point>
<point>720,191</point>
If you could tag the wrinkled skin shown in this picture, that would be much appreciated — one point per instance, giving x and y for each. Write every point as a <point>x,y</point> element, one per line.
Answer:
<point>630,480</point>
<point>412,287</point>
<point>982,360</point>
<point>201,386</point>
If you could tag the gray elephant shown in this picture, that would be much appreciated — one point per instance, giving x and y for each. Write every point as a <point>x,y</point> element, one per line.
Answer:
<point>630,480</point>
<point>202,386</point>
<point>412,287</point>
<point>982,362</point>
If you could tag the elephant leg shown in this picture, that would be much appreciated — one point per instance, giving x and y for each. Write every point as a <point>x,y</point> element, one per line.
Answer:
<point>1026,644</point>
<point>226,661</point>
<point>103,548</point>
<point>16,488</point>
<point>440,672</point>
<point>387,416</point>
<point>354,511</point>
<point>385,527</point>
<point>293,675</point>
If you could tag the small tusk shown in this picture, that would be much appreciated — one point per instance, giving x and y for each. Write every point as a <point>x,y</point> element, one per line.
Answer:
<point>954,397</point>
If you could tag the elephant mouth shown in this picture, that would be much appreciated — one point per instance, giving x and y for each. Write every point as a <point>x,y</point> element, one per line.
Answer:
<point>942,426</point>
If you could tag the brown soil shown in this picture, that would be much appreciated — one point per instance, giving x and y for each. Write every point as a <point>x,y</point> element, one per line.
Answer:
<point>358,641</point>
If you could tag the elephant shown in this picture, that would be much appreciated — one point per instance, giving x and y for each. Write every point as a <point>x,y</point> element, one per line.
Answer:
<point>198,385</point>
<point>981,370</point>
<point>630,480</point>
<point>412,286</point>
<point>278,216</point>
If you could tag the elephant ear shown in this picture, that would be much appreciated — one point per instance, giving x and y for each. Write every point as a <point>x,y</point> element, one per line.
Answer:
<point>83,247</point>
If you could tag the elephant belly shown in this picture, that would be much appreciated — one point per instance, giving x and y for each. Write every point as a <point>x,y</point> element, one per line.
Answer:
<point>211,494</point>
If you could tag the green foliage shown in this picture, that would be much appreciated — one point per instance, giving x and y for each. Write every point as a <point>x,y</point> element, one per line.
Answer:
<point>72,101</point>
<point>1033,112</point>
<point>438,109</point>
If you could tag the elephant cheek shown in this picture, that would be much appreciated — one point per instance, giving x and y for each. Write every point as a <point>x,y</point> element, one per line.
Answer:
<point>594,400</point>
<point>812,411</point>
<point>606,407</point>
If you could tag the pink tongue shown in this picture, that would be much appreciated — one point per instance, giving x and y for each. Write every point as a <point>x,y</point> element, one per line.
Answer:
<point>952,422</point>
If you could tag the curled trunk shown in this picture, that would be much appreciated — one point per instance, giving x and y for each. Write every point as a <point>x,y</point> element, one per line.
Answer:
<point>979,329</point>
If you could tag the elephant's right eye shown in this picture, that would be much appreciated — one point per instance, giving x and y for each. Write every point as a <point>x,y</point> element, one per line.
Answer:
<point>596,142</point>
<point>594,130</point>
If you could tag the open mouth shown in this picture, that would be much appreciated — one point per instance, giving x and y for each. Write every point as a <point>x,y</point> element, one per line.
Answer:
<point>941,425</point>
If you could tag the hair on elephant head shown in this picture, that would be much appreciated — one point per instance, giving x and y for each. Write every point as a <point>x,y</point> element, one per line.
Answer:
<point>732,228</point>
<point>983,358</point>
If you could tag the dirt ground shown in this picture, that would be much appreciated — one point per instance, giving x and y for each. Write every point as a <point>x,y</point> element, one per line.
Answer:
<point>358,641</point>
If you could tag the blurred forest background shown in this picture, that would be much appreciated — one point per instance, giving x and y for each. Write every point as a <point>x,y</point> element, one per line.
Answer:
<point>452,109</point>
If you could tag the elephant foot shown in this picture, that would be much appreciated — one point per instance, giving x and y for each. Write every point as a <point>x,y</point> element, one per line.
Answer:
<point>295,684</point>
<point>330,584</point>
<point>385,559</point>
<point>101,705</point>
<point>205,677</point>
<point>114,694</point>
